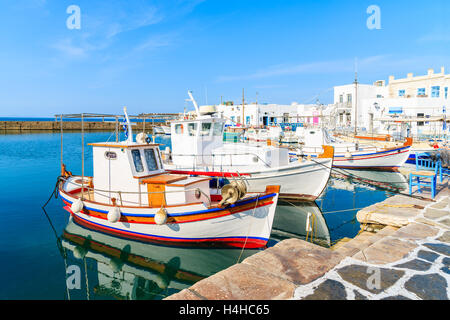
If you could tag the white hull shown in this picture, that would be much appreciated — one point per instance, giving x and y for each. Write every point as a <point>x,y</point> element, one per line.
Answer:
<point>246,223</point>
<point>299,180</point>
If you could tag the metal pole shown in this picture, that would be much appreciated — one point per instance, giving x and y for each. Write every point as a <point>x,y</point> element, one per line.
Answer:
<point>117,129</point>
<point>82,156</point>
<point>61,141</point>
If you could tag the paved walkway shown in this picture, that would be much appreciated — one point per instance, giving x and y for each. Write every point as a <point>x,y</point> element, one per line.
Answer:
<point>405,256</point>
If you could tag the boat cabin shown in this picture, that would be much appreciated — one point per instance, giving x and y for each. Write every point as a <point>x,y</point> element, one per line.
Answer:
<point>193,141</point>
<point>136,170</point>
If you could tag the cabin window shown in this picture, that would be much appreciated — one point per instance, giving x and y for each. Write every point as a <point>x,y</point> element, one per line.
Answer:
<point>192,129</point>
<point>218,128</point>
<point>137,160</point>
<point>150,159</point>
<point>206,129</point>
<point>179,129</point>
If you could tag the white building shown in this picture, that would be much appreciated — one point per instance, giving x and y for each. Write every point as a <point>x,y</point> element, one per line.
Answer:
<point>258,115</point>
<point>406,101</point>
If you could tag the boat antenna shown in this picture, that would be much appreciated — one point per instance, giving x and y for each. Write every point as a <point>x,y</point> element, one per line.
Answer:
<point>193,102</point>
<point>130,130</point>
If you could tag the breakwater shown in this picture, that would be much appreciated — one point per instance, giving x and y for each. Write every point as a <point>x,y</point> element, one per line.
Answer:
<point>69,126</point>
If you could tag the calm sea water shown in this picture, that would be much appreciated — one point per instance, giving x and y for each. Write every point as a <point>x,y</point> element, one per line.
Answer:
<point>36,251</point>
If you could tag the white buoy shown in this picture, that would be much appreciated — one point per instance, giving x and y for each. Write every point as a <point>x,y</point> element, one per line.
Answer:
<point>161,216</point>
<point>77,206</point>
<point>113,214</point>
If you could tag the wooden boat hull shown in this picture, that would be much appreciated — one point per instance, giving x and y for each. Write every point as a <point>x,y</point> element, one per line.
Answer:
<point>247,223</point>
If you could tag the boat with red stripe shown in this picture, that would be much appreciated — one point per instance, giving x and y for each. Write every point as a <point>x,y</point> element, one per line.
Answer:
<point>131,194</point>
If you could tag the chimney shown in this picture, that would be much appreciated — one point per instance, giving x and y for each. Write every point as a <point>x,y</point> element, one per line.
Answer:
<point>443,70</point>
<point>410,75</point>
<point>391,78</point>
<point>430,72</point>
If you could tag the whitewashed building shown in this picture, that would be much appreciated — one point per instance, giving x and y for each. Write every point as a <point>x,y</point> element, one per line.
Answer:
<point>257,115</point>
<point>415,105</point>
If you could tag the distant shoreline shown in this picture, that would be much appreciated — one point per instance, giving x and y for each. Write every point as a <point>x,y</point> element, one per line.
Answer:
<point>44,119</point>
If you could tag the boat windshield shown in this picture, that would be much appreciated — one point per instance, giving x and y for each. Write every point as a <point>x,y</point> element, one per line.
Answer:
<point>192,128</point>
<point>218,129</point>
<point>150,159</point>
<point>137,160</point>
<point>206,128</point>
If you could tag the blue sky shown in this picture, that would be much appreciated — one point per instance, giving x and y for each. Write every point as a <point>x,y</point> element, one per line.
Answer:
<point>146,54</point>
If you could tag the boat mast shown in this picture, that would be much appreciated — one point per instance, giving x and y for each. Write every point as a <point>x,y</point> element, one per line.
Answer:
<point>243,107</point>
<point>194,103</point>
<point>130,130</point>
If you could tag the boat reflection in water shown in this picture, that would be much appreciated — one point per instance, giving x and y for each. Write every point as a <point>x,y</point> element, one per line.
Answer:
<point>385,180</point>
<point>127,269</point>
<point>116,268</point>
<point>302,220</point>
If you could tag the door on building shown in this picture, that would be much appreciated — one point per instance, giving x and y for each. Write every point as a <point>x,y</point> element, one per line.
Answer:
<point>266,121</point>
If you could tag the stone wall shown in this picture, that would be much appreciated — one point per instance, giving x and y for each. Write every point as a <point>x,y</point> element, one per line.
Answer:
<point>68,125</point>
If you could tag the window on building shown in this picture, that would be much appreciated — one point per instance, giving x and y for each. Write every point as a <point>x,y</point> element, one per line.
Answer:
<point>420,115</point>
<point>247,119</point>
<point>401,93</point>
<point>446,92</point>
<point>341,98</point>
<point>421,91</point>
<point>349,97</point>
<point>435,91</point>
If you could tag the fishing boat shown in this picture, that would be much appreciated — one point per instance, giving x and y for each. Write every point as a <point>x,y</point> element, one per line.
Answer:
<point>132,195</point>
<point>161,130</point>
<point>198,149</point>
<point>352,155</point>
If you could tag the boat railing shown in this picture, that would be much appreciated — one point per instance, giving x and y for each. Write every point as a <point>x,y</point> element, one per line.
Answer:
<point>107,193</point>
<point>199,160</point>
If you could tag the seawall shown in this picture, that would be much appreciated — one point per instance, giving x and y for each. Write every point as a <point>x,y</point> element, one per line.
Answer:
<point>67,126</point>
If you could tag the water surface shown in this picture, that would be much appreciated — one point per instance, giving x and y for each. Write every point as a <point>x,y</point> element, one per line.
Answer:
<point>35,257</point>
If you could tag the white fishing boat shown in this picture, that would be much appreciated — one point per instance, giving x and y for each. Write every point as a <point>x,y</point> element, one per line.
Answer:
<point>353,155</point>
<point>198,149</point>
<point>130,194</point>
<point>161,130</point>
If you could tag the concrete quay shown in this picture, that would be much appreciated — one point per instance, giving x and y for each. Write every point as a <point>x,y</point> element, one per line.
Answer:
<point>18,126</point>
<point>402,252</point>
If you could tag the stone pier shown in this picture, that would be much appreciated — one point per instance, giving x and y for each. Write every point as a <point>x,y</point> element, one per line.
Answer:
<point>405,255</point>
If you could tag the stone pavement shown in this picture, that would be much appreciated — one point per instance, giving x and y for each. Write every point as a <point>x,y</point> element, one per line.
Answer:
<point>408,257</point>
<point>407,262</point>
